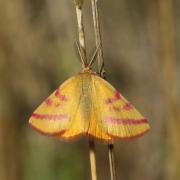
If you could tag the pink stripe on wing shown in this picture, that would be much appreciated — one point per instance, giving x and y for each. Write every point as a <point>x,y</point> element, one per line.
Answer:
<point>48,102</point>
<point>125,121</point>
<point>60,96</point>
<point>116,97</point>
<point>50,116</point>
<point>127,106</point>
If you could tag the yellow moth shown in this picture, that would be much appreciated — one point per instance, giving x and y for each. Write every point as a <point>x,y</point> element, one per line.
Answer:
<point>86,104</point>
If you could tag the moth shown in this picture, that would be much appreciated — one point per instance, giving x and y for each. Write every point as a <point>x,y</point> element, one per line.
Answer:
<point>86,104</point>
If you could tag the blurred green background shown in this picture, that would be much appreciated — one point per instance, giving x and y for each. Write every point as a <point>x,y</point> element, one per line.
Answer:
<point>141,41</point>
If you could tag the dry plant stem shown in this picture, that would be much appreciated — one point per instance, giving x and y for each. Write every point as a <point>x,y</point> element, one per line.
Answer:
<point>112,161</point>
<point>81,33</point>
<point>98,36</point>
<point>79,13</point>
<point>92,159</point>
<point>98,40</point>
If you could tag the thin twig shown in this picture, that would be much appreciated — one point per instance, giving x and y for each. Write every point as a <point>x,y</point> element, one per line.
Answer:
<point>101,69</point>
<point>81,33</point>
<point>98,38</point>
<point>112,161</point>
<point>92,159</point>
<point>79,13</point>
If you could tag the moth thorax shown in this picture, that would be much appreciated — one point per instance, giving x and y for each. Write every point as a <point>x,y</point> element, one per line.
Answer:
<point>87,69</point>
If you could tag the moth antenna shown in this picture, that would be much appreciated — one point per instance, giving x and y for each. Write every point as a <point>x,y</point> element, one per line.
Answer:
<point>94,56</point>
<point>79,49</point>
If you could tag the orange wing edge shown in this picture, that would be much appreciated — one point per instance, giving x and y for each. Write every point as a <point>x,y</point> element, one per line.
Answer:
<point>132,136</point>
<point>46,133</point>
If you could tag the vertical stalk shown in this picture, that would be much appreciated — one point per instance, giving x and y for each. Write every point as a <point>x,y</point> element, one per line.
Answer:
<point>79,13</point>
<point>92,159</point>
<point>81,33</point>
<point>112,161</point>
<point>98,38</point>
<point>101,69</point>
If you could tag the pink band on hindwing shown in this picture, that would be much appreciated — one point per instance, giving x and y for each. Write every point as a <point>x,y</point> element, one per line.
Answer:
<point>50,116</point>
<point>125,121</point>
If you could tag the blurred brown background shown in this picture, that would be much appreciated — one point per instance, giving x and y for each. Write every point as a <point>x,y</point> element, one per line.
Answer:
<point>141,41</point>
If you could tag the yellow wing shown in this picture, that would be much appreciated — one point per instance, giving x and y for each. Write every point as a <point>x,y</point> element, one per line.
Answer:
<point>68,112</point>
<point>116,115</point>
<point>55,115</point>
